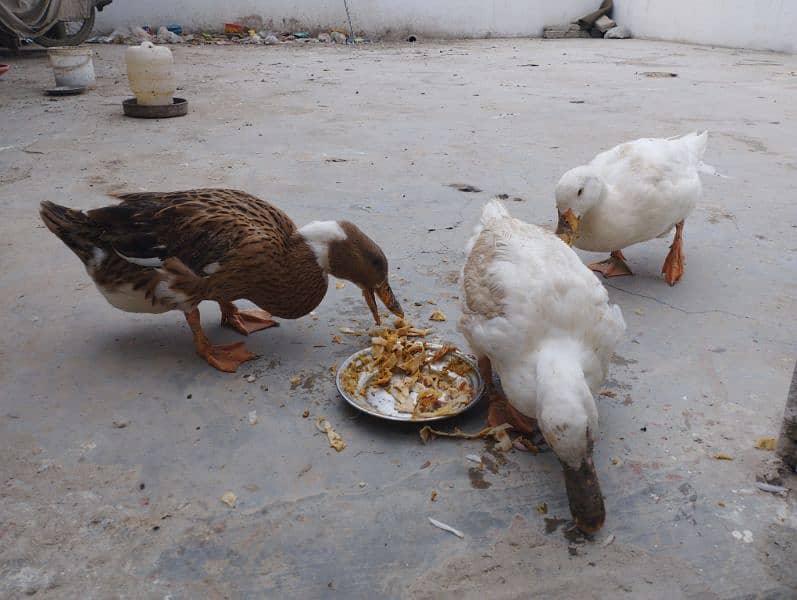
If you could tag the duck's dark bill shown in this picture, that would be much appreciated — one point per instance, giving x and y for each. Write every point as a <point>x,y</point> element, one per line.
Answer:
<point>584,494</point>
<point>386,296</point>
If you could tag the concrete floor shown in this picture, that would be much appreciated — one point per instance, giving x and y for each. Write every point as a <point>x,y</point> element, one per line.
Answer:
<point>91,510</point>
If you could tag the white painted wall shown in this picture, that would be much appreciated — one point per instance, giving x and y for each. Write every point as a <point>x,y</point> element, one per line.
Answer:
<point>379,18</point>
<point>755,24</point>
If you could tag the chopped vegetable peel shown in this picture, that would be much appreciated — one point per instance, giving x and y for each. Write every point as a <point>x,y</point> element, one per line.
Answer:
<point>335,441</point>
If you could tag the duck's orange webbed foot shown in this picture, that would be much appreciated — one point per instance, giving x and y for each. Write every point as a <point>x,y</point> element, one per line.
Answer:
<point>673,268</point>
<point>614,266</point>
<point>245,321</point>
<point>499,411</point>
<point>224,357</point>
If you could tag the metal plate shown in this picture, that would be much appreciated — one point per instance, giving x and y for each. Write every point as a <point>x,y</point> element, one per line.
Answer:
<point>65,90</point>
<point>177,108</point>
<point>363,405</point>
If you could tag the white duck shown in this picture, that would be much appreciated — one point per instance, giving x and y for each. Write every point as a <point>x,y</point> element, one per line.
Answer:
<point>540,318</point>
<point>634,192</point>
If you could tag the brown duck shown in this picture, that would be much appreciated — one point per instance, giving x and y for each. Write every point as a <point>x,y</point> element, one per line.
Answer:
<point>155,252</point>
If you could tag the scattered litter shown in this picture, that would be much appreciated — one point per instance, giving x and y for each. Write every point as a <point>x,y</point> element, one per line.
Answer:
<point>305,414</point>
<point>167,37</point>
<point>233,29</point>
<point>270,40</point>
<point>335,441</point>
<point>721,504</point>
<point>121,423</point>
<point>301,35</point>
<point>438,315</point>
<point>338,37</point>
<point>175,28</point>
<point>339,285</point>
<point>295,381</point>
<point>336,339</point>
<point>616,461</point>
<point>723,457</point>
<point>542,508</point>
<point>324,37</point>
<point>434,496</point>
<point>498,432</point>
<point>349,331</point>
<point>252,38</point>
<point>412,38</point>
<point>773,489</point>
<point>658,74</point>
<point>447,528</point>
<point>253,417</point>
<point>746,536</point>
<point>362,484</point>
<point>474,458</point>
<point>608,394</point>
<point>229,499</point>
<point>765,443</point>
<point>123,35</point>
<point>609,539</point>
<point>464,187</point>
<point>426,464</point>
<point>251,378</point>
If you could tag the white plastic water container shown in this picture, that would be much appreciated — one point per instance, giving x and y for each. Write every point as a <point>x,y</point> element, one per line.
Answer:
<point>73,67</point>
<point>151,74</point>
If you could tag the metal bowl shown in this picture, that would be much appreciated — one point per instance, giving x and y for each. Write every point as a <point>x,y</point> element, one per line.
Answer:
<point>363,405</point>
<point>177,108</point>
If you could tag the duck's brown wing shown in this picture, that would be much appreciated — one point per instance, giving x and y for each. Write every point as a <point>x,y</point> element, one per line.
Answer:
<point>199,227</point>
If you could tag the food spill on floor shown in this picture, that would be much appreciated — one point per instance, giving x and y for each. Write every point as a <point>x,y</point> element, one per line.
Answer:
<point>335,441</point>
<point>765,443</point>
<point>444,527</point>
<point>499,433</point>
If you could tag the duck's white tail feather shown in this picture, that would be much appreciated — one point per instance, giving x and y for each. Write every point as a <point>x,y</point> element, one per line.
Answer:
<point>696,142</point>
<point>493,212</point>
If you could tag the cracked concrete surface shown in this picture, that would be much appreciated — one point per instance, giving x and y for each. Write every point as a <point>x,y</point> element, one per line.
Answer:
<point>377,134</point>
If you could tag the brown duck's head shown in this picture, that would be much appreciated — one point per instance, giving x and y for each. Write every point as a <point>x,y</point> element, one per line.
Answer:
<point>357,258</point>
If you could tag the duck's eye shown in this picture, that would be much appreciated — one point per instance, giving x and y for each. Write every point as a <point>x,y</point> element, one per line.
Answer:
<point>580,191</point>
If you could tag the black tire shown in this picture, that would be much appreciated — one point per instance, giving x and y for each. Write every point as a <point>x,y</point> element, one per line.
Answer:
<point>56,36</point>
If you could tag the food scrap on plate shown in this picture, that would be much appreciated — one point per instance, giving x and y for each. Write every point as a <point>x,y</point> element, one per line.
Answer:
<point>403,374</point>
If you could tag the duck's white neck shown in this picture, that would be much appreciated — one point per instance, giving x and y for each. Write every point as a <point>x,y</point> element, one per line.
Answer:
<point>565,407</point>
<point>319,235</point>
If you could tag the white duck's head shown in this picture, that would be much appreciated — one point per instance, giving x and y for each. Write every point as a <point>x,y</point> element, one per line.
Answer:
<point>578,191</point>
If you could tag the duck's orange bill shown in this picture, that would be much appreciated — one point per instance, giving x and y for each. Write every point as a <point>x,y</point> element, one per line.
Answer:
<point>386,296</point>
<point>567,228</point>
